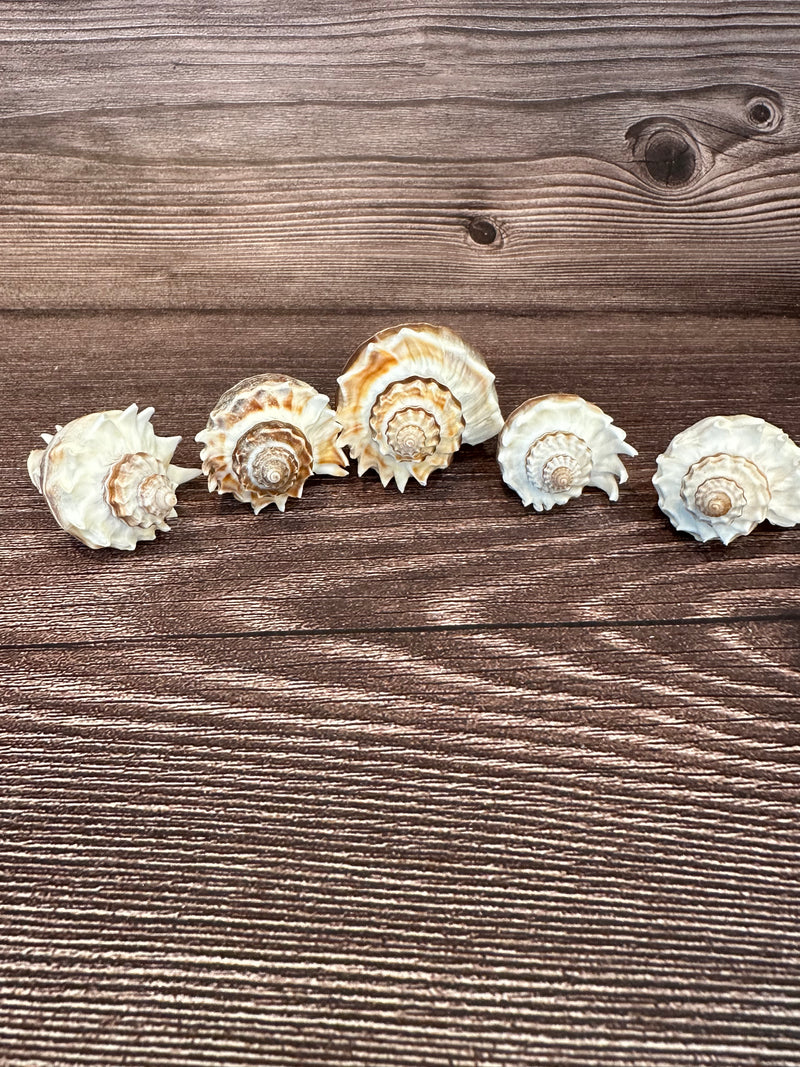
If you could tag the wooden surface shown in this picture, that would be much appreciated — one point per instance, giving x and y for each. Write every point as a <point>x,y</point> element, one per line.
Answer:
<point>419,780</point>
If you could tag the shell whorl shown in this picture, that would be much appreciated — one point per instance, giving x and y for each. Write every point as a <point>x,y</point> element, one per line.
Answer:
<point>266,436</point>
<point>559,463</point>
<point>272,459</point>
<point>107,478</point>
<point>410,397</point>
<point>417,420</point>
<point>139,491</point>
<point>553,446</point>
<point>721,477</point>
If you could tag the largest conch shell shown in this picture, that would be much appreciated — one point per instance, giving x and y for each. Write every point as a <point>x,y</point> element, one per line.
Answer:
<point>410,397</point>
<point>266,436</point>
<point>108,479</point>
<point>724,475</point>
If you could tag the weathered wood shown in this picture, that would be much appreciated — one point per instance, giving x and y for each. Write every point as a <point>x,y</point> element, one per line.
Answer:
<point>333,157</point>
<point>354,555</point>
<point>564,846</point>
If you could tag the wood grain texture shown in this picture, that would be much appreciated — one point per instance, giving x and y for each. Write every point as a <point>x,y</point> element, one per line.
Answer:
<point>250,158</point>
<point>419,780</point>
<point>561,846</point>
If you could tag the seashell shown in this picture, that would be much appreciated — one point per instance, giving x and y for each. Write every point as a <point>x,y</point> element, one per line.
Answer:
<point>552,446</point>
<point>724,475</point>
<point>410,397</point>
<point>266,436</point>
<point>108,479</point>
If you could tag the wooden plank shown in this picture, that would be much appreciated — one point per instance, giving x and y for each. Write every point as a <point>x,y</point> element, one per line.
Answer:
<point>462,551</point>
<point>571,846</point>
<point>340,156</point>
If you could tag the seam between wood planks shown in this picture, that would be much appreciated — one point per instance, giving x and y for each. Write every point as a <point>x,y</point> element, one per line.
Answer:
<point>476,627</point>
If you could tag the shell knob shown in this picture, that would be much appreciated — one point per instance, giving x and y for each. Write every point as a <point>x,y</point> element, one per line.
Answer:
<point>553,446</point>
<point>721,477</point>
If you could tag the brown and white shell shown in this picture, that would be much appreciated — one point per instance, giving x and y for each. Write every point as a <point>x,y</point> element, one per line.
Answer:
<point>553,446</point>
<point>410,397</point>
<point>266,436</point>
<point>722,476</point>
<point>108,479</point>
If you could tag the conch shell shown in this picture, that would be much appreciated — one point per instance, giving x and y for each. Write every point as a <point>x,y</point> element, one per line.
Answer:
<point>410,397</point>
<point>724,475</point>
<point>266,436</point>
<point>552,446</point>
<point>108,479</point>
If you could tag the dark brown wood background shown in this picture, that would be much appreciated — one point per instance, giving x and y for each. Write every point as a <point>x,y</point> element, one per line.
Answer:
<point>399,781</point>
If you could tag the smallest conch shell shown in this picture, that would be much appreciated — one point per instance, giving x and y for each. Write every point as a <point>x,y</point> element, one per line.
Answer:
<point>721,477</point>
<point>552,446</point>
<point>266,436</point>
<point>108,479</point>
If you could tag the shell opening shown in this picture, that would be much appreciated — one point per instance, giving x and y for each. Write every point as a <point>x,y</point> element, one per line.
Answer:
<point>272,459</point>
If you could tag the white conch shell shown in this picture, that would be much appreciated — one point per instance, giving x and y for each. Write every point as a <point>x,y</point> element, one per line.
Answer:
<point>724,475</point>
<point>552,446</point>
<point>108,479</point>
<point>410,397</point>
<point>266,436</point>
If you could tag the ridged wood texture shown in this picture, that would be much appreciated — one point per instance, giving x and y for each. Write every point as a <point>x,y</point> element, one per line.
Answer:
<point>419,780</point>
<point>248,154</point>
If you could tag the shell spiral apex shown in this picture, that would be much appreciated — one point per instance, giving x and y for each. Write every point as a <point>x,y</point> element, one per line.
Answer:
<point>108,479</point>
<point>266,436</point>
<point>551,447</point>
<point>719,478</point>
<point>410,397</point>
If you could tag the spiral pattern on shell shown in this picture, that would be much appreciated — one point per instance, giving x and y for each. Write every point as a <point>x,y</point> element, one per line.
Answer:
<point>559,463</point>
<point>553,446</point>
<point>417,420</point>
<point>410,397</point>
<point>139,491</point>
<point>266,436</point>
<point>107,478</point>
<point>721,477</point>
<point>272,458</point>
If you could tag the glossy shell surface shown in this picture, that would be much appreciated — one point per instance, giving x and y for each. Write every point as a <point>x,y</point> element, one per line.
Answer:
<point>410,397</point>
<point>107,478</point>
